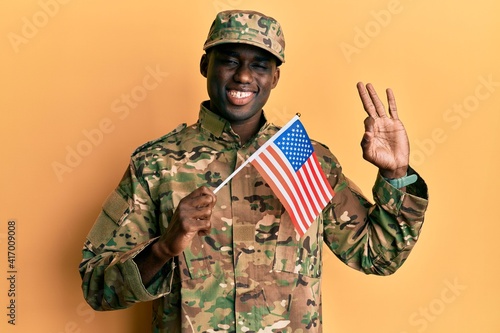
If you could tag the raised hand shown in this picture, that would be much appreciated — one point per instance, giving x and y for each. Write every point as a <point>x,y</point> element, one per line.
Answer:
<point>385,142</point>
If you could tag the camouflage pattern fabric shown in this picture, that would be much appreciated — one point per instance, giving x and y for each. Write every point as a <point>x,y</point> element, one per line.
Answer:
<point>252,273</point>
<point>248,27</point>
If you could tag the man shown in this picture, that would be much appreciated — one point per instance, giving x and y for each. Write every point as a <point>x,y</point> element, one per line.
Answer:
<point>233,262</point>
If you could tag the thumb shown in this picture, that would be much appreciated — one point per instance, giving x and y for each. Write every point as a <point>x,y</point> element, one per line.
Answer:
<point>368,136</point>
<point>369,124</point>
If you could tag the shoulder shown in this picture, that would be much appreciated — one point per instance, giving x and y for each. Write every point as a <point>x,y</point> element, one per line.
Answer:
<point>172,137</point>
<point>326,158</point>
<point>321,149</point>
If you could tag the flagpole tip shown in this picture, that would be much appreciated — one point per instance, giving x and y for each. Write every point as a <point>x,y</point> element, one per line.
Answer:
<point>298,114</point>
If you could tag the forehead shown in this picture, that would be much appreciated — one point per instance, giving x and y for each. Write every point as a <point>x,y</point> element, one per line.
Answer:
<point>240,50</point>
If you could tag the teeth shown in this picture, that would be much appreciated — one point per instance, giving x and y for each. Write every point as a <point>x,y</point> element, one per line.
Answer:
<point>239,94</point>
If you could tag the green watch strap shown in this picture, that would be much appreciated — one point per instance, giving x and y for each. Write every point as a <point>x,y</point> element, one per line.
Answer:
<point>403,181</point>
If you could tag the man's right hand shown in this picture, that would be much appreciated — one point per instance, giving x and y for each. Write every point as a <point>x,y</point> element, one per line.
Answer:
<point>191,218</point>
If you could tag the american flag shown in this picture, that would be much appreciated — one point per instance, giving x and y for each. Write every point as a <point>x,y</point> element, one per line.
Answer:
<point>289,165</point>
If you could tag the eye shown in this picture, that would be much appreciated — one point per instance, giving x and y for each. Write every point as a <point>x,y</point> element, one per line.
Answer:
<point>229,61</point>
<point>261,65</point>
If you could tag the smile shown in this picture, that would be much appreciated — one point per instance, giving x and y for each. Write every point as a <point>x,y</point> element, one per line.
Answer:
<point>240,94</point>
<point>237,97</point>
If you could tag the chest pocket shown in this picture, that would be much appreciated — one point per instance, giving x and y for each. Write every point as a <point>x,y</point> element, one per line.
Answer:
<point>299,255</point>
<point>195,262</point>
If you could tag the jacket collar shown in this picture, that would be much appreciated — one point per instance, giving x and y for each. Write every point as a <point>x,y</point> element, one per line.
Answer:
<point>218,125</point>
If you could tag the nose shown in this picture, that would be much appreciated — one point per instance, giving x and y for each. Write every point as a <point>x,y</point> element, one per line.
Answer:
<point>243,74</point>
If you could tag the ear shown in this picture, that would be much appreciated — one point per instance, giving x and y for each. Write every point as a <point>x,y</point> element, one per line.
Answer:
<point>276,77</point>
<point>204,65</point>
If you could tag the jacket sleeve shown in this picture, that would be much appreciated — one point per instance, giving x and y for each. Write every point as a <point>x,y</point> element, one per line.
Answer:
<point>374,238</point>
<point>125,226</point>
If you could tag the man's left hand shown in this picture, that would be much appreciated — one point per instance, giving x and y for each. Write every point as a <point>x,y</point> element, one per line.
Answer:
<point>385,142</point>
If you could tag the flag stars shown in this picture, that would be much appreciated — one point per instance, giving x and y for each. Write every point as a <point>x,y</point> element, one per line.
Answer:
<point>295,145</point>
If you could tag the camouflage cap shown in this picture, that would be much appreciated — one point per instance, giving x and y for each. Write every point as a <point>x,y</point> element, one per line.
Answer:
<point>248,27</point>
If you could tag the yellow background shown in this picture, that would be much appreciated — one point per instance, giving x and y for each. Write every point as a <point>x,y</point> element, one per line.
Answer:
<point>67,67</point>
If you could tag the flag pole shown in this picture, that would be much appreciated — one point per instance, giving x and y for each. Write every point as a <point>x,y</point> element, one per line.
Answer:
<point>267,143</point>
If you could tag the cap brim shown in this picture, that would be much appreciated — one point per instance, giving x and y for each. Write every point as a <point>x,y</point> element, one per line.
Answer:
<point>242,41</point>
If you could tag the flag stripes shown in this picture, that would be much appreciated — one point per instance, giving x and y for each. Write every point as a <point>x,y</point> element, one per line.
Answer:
<point>303,193</point>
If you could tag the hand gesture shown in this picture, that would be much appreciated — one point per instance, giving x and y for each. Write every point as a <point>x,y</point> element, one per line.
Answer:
<point>191,218</point>
<point>385,143</point>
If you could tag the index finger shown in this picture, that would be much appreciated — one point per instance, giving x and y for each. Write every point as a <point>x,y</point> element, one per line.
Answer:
<point>201,197</point>
<point>393,110</point>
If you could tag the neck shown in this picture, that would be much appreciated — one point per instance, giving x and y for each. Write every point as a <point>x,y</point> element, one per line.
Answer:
<point>248,128</point>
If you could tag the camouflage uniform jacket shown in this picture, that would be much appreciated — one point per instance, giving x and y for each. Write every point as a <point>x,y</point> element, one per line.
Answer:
<point>252,273</point>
